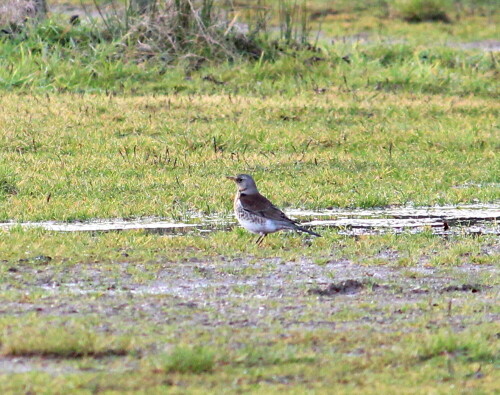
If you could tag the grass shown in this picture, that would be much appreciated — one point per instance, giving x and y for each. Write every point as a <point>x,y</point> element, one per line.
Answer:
<point>137,246</point>
<point>401,67</point>
<point>187,360</point>
<point>59,340</point>
<point>399,115</point>
<point>470,346</point>
<point>56,56</point>
<point>105,156</point>
<point>7,184</point>
<point>423,10</point>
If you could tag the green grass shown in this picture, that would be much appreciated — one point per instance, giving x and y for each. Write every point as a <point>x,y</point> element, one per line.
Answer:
<point>410,250</point>
<point>53,339</point>
<point>42,66</point>
<point>98,156</point>
<point>398,56</point>
<point>186,360</point>
<point>90,129</point>
<point>423,10</point>
<point>473,347</point>
<point>7,183</point>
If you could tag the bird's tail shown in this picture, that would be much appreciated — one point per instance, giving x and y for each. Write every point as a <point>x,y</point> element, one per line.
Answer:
<point>300,228</point>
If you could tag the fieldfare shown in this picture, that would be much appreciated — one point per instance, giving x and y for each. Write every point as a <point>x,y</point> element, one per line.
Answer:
<point>257,214</point>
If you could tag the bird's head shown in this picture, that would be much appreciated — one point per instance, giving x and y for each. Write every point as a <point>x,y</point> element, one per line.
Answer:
<point>245,183</point>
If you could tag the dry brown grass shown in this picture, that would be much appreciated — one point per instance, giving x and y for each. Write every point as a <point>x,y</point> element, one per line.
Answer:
<point>194,29</point>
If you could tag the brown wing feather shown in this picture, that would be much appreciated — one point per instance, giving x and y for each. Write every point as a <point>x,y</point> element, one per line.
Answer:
<point>259,205</point>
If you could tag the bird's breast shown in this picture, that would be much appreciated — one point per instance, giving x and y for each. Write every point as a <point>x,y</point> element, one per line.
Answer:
<point>253,222</point>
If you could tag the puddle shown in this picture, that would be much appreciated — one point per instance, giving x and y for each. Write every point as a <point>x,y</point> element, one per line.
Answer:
<point>150,224</point>
<point>485,45</point>
<point>471,219</point>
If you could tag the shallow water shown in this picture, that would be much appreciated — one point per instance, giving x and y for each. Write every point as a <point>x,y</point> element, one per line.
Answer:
<point>476,219</point>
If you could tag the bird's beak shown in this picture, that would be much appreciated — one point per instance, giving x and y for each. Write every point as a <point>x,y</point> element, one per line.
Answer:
<point>231,178</point>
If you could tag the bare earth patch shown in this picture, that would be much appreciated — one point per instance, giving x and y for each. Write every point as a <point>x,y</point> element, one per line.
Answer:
<point>241,294</point>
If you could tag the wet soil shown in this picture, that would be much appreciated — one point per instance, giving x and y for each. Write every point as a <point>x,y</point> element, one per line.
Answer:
<point>264,296</point>
<point>344,287</point>
<point>236,289</point>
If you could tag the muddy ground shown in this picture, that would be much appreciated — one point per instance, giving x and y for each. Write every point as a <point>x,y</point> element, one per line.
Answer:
<point>266,296</point>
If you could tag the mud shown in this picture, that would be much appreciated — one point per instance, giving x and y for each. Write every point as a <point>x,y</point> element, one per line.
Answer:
<point>474,288</point>
<point>199,283</point>
<point>346,287</point>
<point>267,296</point>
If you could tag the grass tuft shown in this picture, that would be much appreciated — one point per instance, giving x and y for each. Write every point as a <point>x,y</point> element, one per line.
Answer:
<point>7,183</point>
<point>187,360</point>
<point>64,341</point>
<point>197,31</point>
<point>257,356</point>
<point>446,343</point>
<point>423,10</point>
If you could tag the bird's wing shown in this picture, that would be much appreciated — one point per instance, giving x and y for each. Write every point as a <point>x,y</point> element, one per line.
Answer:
<point>258,205</point>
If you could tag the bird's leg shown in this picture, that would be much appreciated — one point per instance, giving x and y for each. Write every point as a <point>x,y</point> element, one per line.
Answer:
<point>261,239</point>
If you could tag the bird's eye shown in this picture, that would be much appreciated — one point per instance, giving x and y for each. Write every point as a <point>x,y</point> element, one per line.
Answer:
<point>239,180</point>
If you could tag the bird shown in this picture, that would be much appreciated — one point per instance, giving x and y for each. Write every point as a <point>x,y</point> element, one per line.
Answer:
<point>257,214</point>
